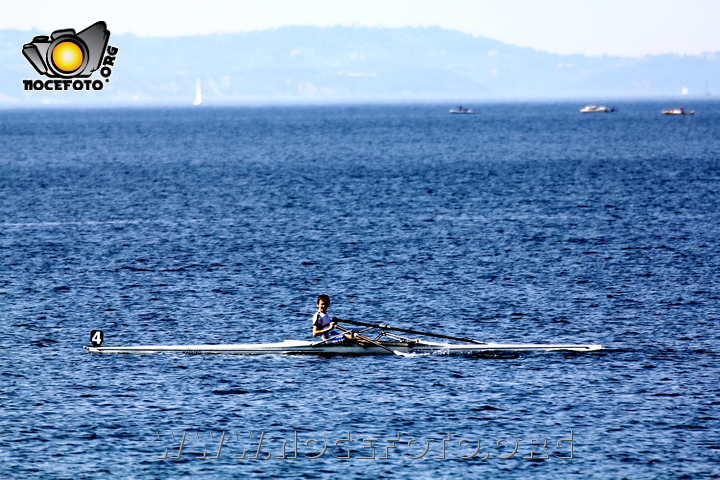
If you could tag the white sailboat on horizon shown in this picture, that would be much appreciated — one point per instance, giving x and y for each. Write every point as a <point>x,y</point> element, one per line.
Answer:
<point>198,94</point>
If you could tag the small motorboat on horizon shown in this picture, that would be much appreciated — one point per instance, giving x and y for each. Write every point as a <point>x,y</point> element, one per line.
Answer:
<point>462,110</point>
<point>678,111</point>
<point>596,109</point>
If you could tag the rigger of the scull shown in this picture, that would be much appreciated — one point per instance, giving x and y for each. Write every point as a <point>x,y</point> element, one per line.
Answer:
<point>363,338</point>
<point>382,326</point>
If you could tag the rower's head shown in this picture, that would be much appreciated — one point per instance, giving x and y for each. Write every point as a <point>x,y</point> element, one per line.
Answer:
<point>323,302</point>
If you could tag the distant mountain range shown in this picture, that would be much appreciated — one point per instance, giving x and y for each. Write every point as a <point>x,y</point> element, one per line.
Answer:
<point>357,64</point>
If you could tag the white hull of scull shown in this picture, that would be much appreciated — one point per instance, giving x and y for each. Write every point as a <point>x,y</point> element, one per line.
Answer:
<point>296,347</point>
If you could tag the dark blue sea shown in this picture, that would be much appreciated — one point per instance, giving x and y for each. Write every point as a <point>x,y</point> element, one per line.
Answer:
<point>524,223</point>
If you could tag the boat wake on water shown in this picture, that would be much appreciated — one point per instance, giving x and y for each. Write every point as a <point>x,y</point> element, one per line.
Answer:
<point>373,339</point>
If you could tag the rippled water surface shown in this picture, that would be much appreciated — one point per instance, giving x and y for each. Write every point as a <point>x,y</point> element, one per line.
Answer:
<point>525,223</point>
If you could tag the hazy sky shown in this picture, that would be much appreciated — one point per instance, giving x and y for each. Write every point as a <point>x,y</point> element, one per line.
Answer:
<point>591,27</point>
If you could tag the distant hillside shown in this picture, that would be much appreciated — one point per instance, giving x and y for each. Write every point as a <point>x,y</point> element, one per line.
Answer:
<point>352,64</point>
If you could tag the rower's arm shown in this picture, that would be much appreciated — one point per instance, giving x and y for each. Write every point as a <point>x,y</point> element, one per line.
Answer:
<point>317,331</point>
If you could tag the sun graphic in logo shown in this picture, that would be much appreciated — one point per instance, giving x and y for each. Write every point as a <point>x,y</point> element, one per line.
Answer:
<point>67,56</point>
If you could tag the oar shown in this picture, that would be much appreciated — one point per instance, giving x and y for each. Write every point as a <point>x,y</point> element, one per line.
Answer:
<point>382,326</point>
<point>396,352</point>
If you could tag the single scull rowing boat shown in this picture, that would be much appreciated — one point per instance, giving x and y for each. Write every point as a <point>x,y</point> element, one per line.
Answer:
<point>383,343</point>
